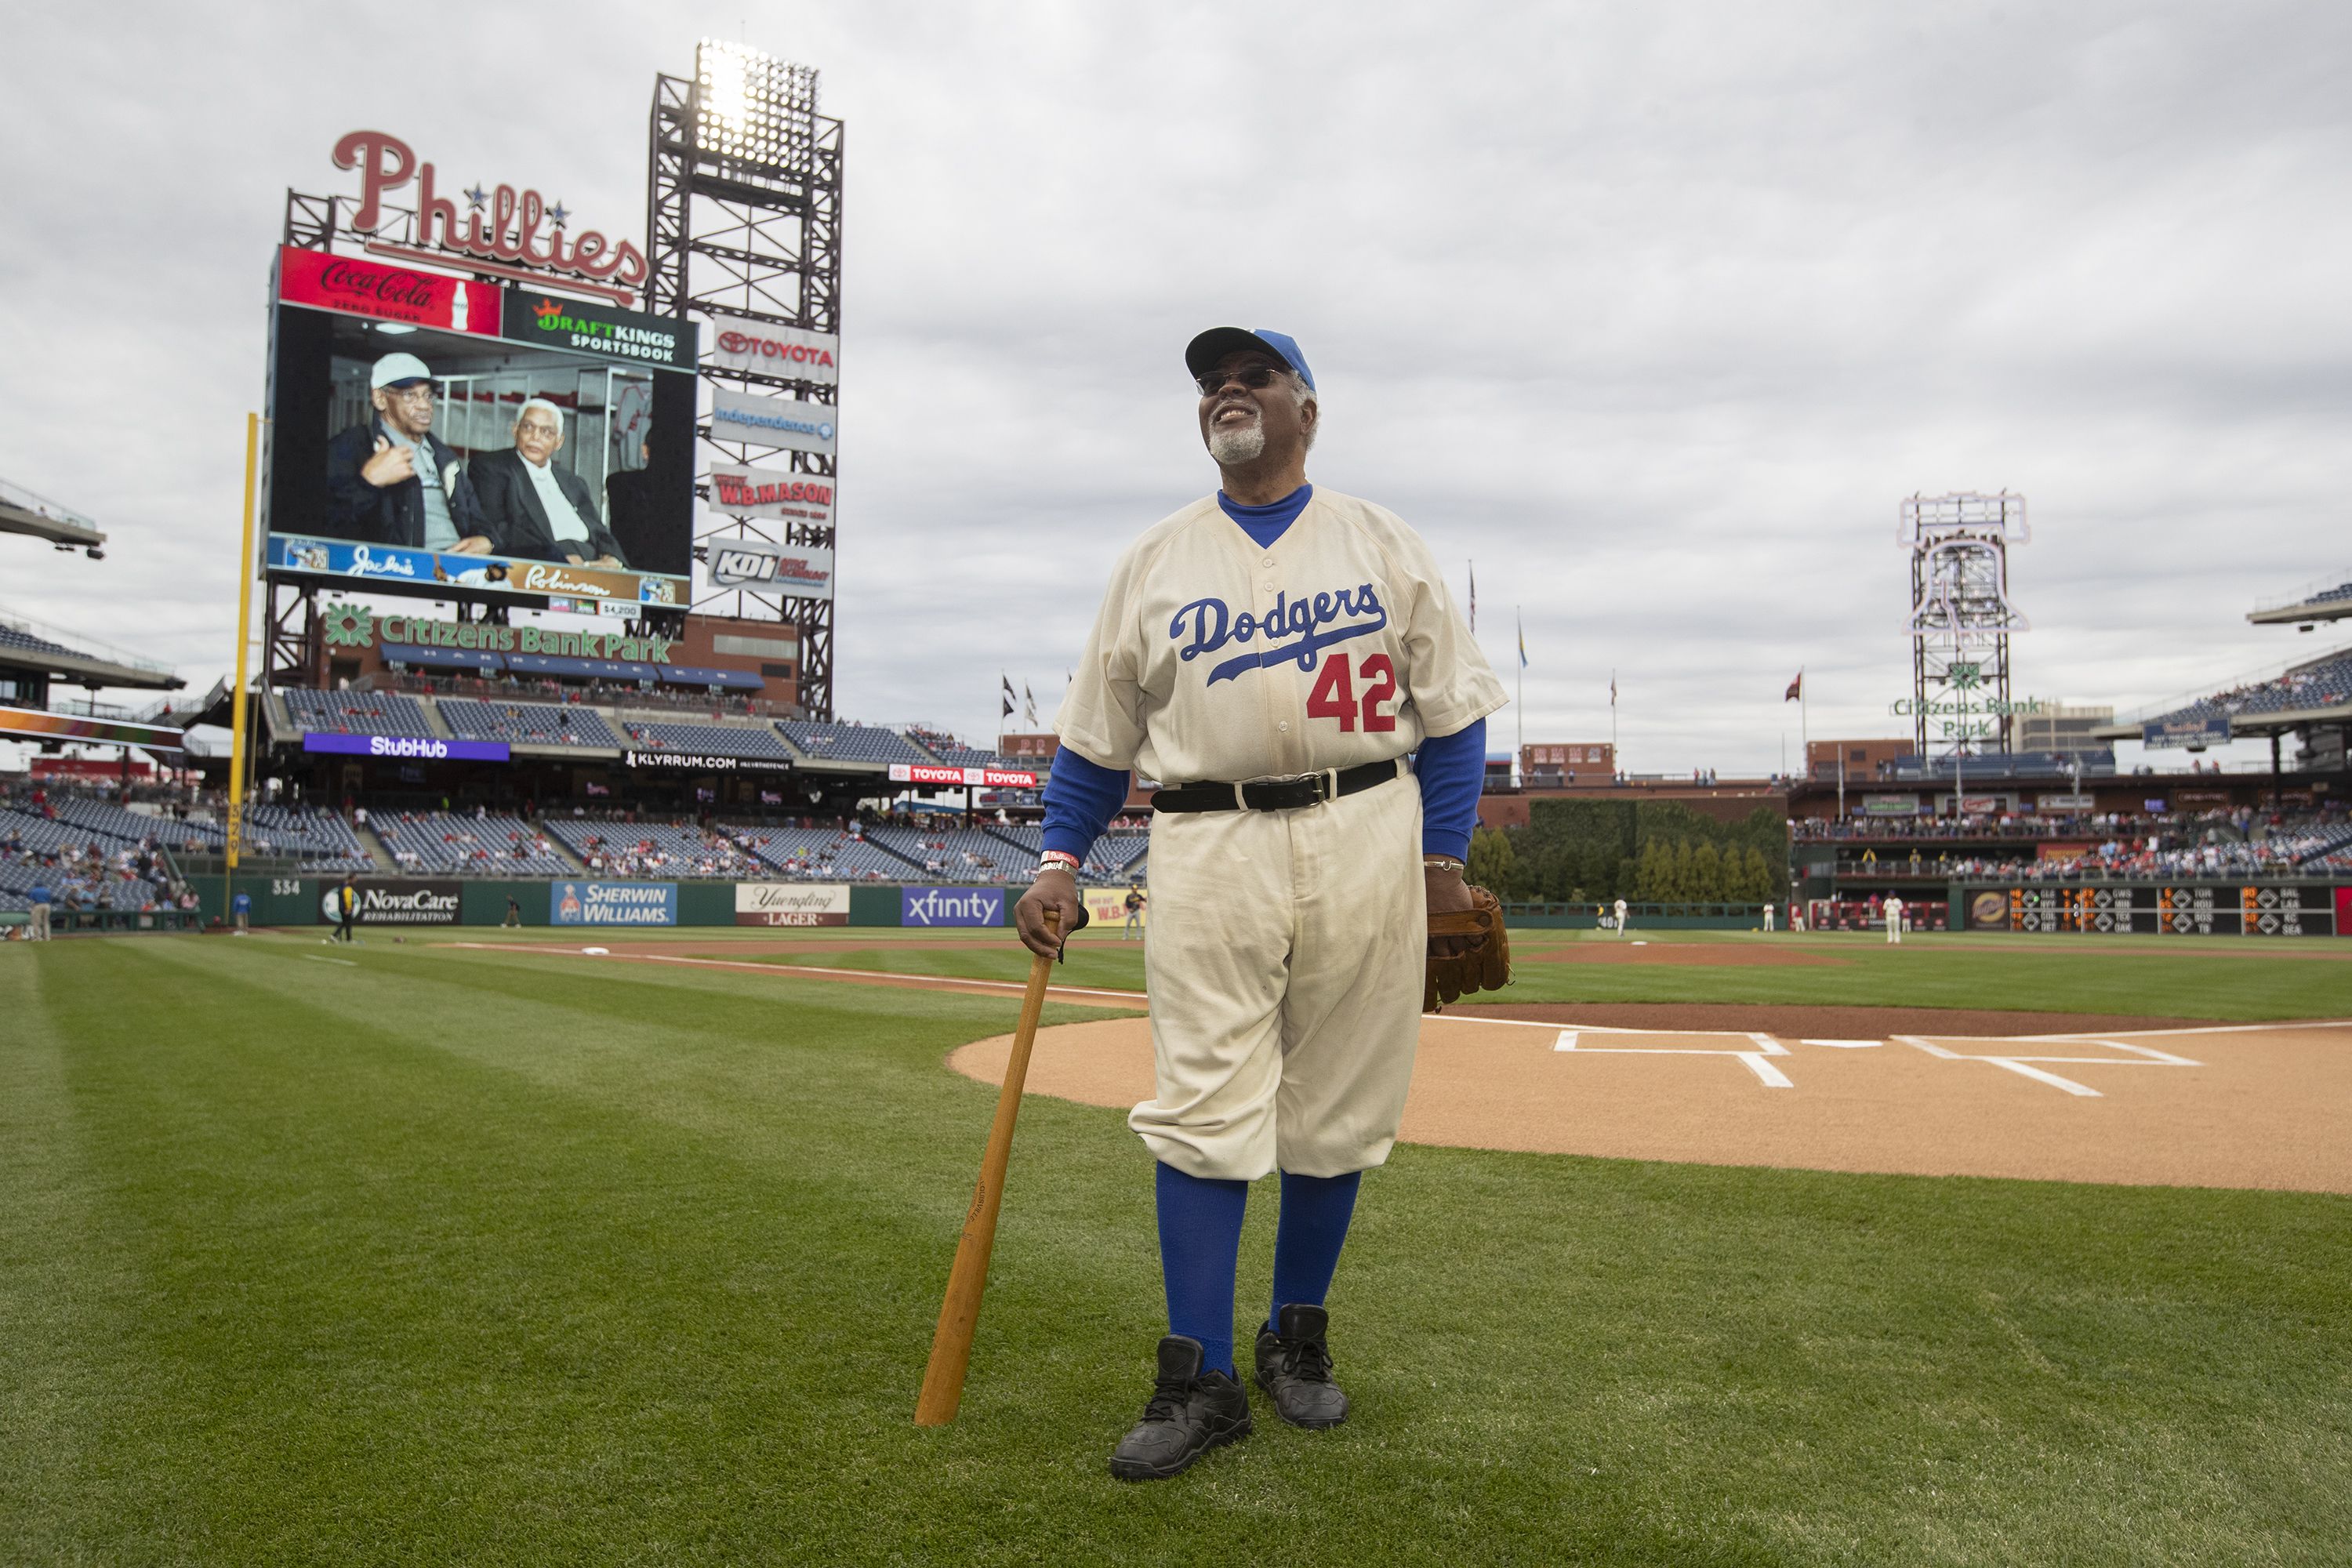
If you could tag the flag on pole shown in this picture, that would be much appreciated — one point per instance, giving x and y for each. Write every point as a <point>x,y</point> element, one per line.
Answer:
<point>1029,704</point>
<point>1474,598</point>
<point>1612,689</point>
<point>1796,689</point>
<point>1523,644</point>
<point>1006,681</point>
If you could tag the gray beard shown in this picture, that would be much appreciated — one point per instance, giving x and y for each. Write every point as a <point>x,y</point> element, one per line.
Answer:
<point>1233,447</point>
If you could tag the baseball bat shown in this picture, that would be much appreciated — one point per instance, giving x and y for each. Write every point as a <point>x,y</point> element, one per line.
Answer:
<point>959,1314</point>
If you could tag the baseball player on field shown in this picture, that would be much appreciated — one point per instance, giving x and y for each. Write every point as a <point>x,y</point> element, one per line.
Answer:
<point>1271,655</point>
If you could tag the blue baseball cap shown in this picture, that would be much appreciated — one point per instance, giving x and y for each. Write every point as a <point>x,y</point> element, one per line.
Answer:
<point>1201,354</point>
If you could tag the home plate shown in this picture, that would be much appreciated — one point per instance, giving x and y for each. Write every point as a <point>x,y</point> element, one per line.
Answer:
<point>1845,1044</point>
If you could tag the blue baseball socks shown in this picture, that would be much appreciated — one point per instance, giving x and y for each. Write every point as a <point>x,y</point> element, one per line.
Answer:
<point>1199,1242</point>
<point>1306,1240</point>
<point>1200,1246</point>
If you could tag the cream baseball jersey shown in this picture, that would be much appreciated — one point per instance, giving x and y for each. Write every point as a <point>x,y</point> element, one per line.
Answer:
<point>1214,657</point>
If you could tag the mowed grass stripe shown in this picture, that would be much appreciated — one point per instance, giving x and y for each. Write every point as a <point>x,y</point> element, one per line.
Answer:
<point>457,1256</point>
<point>68,1292</point>
<point>1960,971</point>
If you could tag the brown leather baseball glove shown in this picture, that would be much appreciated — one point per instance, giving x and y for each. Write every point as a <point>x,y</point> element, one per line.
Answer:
<point>1485,962</point>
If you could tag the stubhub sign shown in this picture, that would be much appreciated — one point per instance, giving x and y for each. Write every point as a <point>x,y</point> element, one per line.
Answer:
<point>410,748</point>
<point>951,906</point>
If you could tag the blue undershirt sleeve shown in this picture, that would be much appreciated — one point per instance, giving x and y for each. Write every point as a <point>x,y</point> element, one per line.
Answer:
<point>1081,797</point>
<point>1451,769</point>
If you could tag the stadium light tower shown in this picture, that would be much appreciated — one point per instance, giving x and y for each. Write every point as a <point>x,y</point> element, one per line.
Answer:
<point>744,223</point>
<point>1961,618</point>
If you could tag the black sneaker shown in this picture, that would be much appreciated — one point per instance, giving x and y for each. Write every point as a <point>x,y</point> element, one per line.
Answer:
<point>1191,1412</point>
<point>1294,1367</point>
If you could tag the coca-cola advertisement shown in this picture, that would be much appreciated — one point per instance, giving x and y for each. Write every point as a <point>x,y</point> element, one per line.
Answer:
<point>388,293</point>
<point>452,438</point>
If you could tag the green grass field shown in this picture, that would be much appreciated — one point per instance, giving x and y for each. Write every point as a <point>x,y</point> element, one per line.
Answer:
<point>2211,977</point>
<point>418,1255</point>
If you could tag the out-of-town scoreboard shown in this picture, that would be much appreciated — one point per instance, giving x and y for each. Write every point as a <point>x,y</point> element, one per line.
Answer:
<point>2155,909</point>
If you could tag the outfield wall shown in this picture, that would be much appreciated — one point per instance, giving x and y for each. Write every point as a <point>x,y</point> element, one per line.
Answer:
<point>2232,908</point>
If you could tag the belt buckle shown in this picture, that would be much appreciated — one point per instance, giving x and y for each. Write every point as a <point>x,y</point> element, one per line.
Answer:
<point>1327,787</point>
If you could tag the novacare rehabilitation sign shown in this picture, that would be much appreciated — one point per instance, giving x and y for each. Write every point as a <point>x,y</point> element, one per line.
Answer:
<point>612,904</point>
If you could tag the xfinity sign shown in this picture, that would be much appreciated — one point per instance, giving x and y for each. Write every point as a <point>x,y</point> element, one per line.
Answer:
<point>951,906</point>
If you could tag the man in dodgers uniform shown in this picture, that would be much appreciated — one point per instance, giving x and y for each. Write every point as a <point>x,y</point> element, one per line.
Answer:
<point>1269,655</point>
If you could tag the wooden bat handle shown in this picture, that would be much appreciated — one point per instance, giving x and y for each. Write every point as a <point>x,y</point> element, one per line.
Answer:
<point>959,1314</point>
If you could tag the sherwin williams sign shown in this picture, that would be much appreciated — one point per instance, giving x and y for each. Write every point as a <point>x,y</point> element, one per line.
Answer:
<point>612,904</point>
<point>951,906</point>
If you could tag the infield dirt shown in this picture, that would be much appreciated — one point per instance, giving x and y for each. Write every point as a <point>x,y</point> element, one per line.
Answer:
<point>2224,1106</point>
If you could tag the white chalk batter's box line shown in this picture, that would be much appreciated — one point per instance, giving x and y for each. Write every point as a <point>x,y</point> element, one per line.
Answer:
<point>1756,1056</point>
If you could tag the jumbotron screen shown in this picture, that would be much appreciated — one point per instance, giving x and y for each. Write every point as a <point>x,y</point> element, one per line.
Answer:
<point>437,435</point>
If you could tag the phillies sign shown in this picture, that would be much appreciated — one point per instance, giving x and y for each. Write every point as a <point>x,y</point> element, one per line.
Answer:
<point>792,352</point>
<point>503,232</point>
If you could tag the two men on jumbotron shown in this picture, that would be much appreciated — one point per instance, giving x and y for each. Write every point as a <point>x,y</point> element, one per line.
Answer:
<point>394,481</point>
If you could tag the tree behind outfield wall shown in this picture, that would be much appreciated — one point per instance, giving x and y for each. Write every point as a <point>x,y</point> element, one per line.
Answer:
<point>1595,851</point>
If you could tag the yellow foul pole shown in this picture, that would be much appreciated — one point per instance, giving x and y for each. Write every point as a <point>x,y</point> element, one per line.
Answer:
<point>238,724</point>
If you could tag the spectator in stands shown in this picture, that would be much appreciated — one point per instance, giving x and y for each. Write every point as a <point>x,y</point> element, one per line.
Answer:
<point>537,509</point>
<point>392,480</point>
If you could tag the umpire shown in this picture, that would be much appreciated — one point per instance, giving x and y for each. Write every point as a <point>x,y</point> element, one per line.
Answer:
<point>1272,654</point>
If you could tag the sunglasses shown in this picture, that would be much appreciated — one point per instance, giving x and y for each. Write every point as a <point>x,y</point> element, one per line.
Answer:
<point>1256,377</point>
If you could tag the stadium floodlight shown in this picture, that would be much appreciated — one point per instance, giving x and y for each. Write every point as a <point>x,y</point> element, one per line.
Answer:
<point>752,110</point>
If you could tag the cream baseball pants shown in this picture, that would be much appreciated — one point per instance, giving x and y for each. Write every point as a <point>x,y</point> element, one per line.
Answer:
<point>1285,966</point>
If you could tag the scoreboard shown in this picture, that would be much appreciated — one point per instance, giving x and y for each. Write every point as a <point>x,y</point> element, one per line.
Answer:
<point>2154,909</point>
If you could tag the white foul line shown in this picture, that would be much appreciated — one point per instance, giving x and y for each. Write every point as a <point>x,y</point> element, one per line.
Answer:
<point>1754,1060</point>
<point>2021,1065</point>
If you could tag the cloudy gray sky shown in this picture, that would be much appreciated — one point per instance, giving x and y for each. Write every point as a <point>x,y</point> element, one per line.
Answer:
<point>1653,311</point>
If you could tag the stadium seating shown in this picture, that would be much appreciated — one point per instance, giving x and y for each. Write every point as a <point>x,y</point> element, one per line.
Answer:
<point>477,846</point>
<point>821,854</point>
<point>17,641</point>
<point>357,712</point>
<point>758,744</point>
<point>105,817</point>
<point>526,723</point>
<point>851,743</point>
<point>957,855</point>
<point>35,849</point>
<point>320,839</point>
<point>2326,683</point>
<point>661,850</point>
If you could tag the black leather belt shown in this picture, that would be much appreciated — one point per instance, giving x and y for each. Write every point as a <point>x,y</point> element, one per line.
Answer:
<point>1274,795</point>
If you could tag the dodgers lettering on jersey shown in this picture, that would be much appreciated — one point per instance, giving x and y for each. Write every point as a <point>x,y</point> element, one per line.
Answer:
<point>1214,658</point>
